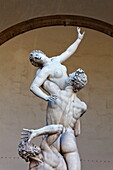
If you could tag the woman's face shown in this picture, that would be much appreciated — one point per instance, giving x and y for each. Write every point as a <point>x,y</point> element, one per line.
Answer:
<point>37,57</point>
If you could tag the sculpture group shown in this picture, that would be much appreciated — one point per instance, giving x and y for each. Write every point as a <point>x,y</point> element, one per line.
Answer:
<point>58,149</point>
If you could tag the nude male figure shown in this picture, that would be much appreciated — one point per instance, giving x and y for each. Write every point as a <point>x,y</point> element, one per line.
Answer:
<point>66,110</point>
<point>47,156</point>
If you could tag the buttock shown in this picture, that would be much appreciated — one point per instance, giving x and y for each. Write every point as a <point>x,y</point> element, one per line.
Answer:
<point>68,142</point>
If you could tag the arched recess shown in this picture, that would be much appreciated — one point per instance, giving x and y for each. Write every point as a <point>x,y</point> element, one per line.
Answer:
<point>55,20</point>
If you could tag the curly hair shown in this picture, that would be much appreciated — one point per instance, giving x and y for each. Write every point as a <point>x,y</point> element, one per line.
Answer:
<point>32,59</point>
<point>78,80</point>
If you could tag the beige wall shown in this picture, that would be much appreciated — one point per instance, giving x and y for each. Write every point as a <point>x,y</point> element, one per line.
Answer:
<point>19,108</point>
<point>15,11</point>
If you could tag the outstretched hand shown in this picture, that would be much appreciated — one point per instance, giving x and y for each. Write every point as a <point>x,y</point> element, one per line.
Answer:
<point>28,134</point>
<point>80,35</point>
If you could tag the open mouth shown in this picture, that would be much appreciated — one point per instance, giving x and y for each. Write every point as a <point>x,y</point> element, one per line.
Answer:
<point>34,63</point>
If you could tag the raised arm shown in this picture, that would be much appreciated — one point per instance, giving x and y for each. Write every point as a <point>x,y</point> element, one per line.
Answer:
<point>71,49</point>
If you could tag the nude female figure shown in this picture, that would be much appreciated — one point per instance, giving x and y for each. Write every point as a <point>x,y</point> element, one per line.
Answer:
<point>51,69</point>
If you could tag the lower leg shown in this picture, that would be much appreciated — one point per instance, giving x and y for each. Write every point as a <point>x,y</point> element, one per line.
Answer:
<point>73,161</point>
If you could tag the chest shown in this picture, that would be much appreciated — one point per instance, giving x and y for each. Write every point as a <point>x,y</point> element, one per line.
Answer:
<point>58,70</point>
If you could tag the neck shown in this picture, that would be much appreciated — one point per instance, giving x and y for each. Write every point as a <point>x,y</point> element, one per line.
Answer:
<point>70,88</point>
<point>47,62</point>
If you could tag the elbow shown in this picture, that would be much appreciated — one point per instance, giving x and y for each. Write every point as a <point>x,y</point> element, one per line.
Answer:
<point>34,88</point>
<point>31,88</point>
<point>85,108</point>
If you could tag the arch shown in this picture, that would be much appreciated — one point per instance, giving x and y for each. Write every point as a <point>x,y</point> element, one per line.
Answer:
<point>55,20</point>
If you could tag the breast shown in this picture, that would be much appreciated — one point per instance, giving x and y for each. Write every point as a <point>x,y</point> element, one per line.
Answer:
<point>58,73</point>
<point>59,70</point>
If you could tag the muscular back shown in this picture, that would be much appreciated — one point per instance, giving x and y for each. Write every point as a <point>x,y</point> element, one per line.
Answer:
<point>74,110</point>
<point>66,109</point>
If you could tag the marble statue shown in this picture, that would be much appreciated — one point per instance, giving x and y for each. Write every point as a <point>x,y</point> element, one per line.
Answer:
<point>45,157</point>
<point>63,111</point>
<point>51,68</point>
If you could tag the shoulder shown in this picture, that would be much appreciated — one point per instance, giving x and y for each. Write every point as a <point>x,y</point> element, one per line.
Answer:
<point>81,104</point>
<point>55,59</point>
<point>84,106</point>
<point>38,71</point>
<point>43,71</point>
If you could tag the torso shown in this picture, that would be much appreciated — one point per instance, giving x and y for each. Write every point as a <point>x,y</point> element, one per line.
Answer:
<point>74,109</point>
<point>57,73</point>
<point>66,109</point>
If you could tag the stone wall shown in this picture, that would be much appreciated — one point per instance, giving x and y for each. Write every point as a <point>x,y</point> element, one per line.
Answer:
<point>19,108</point>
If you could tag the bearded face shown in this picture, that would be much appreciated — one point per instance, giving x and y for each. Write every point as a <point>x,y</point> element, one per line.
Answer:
<point>78,80</point>
<point>27,150</point>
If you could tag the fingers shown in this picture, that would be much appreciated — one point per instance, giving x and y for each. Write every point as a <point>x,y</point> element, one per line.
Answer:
<point>52,97</point>
<point>24,138</point>
<point>81,36</point>
<point>78,29</point>
<point>29,140</point>
<point>83,33</point>
<point>27,130</point>
<point>26,135</point>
